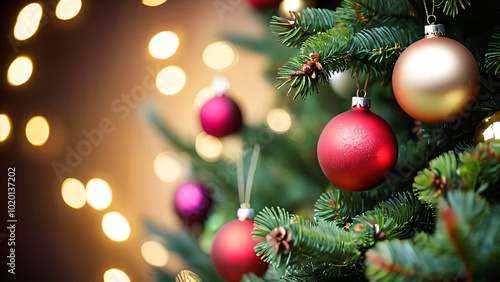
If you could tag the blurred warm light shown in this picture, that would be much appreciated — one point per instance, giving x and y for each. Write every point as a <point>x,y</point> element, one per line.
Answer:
<point>37,130</point>
<point>219,55</point>
<point>68,9</point>
<point>163,45</point>
<point>115,275</point>
<point>153,3</point>
<point>115,226</point>
<point>203,96</point>
<point>73,193</point>
<point>279,120</point>
<point>98,194</point>
<point>19,70</point>
<point>154,253</point>
<point>4,127</point>
<point>187,276</point>
<point>171,80</point>
<point>168,167</point>
<point>28,21</point>
<point>208,147</point>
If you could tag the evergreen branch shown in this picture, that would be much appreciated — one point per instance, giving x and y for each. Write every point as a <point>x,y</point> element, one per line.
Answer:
<point>450,7</point>
<point>492,56</point>
<point>330,46</point>
<point>340,205</point>
<point>358,14</point>
<point>303,24</point>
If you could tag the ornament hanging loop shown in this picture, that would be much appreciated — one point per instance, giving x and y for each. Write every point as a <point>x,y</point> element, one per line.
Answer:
<point>361,91</point>
<point>432,13</point>
<point>429,17</point>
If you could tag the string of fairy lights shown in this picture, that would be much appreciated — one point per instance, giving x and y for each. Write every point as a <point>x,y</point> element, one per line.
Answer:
<point>169,167</point>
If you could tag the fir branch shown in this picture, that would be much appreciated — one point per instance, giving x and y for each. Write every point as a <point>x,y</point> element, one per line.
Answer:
<point>331,47</point>
<point>492,56</point>
<point>340,205</point>
<point>358,14</point>
<point>451,7</point>
<point>293,32</point>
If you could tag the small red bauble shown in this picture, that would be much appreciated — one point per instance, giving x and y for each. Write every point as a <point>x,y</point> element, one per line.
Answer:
<point>357,148</point>
<point>264,4</point>
<point>220,116</point>
<point>232,251</point>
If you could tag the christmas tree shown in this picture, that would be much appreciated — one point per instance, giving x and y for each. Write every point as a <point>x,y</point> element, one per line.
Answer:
<point>358,214</point>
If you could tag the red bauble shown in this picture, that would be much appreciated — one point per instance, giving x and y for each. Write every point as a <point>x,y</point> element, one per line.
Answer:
<point>220,116</point>
<point>356,149</point>
<point>232,251</point>
<point>264,4</point>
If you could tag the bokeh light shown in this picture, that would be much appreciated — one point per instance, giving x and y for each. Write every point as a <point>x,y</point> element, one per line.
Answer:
<point>170,80</point>
<point>28,21</point>
<point>279,120</point>
<point>187,276</point>
<point>208,147</point>
<point>163,45</point>
<point>20,70</point>
<point>154,253</point>
<point>219,55</point>
<point>4,127</point>
<point>115,275</point>
<point>203,96</point>
<point>115,226</point>
<point>98,194</point>
<point>37,130</point>
<point>68,9</point>
<point>168,167</point>
<point>73,193</point>
<point>153,3</point>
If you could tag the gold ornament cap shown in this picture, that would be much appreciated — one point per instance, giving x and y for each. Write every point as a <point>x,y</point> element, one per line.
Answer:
<point>361,102</point>
<point>435,29</point>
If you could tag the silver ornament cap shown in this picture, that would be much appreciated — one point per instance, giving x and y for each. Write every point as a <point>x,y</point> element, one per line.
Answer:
<point>244,213</point>
<point>361,102</point>
<point>435,29</point>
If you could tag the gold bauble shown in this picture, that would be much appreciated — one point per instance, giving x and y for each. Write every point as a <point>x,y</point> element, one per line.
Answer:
<point>294,5</point>
<point>488,130</point>
<point>436,79</point>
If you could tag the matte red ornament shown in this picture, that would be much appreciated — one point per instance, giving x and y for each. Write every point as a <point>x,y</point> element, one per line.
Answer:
<point>220,116</point>
<point>232,251</point>
<point>192,202</point>
<point>264,4</point>
<point>357,148</point>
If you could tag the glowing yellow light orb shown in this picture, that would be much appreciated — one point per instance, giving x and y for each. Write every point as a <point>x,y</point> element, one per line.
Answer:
<point>73,193</point>
<point>115,275</point>
<point>28,21</point>
<point>37,130</point>
<point>98,194</point>
<point>20,70</point>
<point>168,167</point>
<point>68,9</point>
<point>163,45</point>
<point>153,3</point>
<point>4,127</point>
<point>170,80</point>
<point>154,253</point>
<point>208,147</point>
<point>219,55</point>
<point>115,226</point>
<point>279,120</point>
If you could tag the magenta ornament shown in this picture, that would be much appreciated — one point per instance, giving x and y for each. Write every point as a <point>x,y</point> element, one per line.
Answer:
<point>220,116</point>
<point>192,202</point>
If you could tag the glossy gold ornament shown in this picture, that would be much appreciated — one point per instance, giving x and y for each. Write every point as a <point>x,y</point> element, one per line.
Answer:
<point>436,79</point>
<point>488,130</point>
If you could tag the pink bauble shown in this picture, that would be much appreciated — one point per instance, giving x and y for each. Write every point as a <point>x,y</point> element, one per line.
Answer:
<point>220,116</point>
<point>192,202</point>
<point>264,4</point>
<point>232,251</point>
<point>356,149</point>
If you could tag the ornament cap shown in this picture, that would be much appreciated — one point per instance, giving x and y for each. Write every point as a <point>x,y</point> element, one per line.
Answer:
<point>361,102</point>
<point>435,29</point>
<point>244,213</point>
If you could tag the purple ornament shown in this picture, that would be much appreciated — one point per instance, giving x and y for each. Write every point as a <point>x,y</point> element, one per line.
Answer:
<point>192,203</point>
<point>220,116</point>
